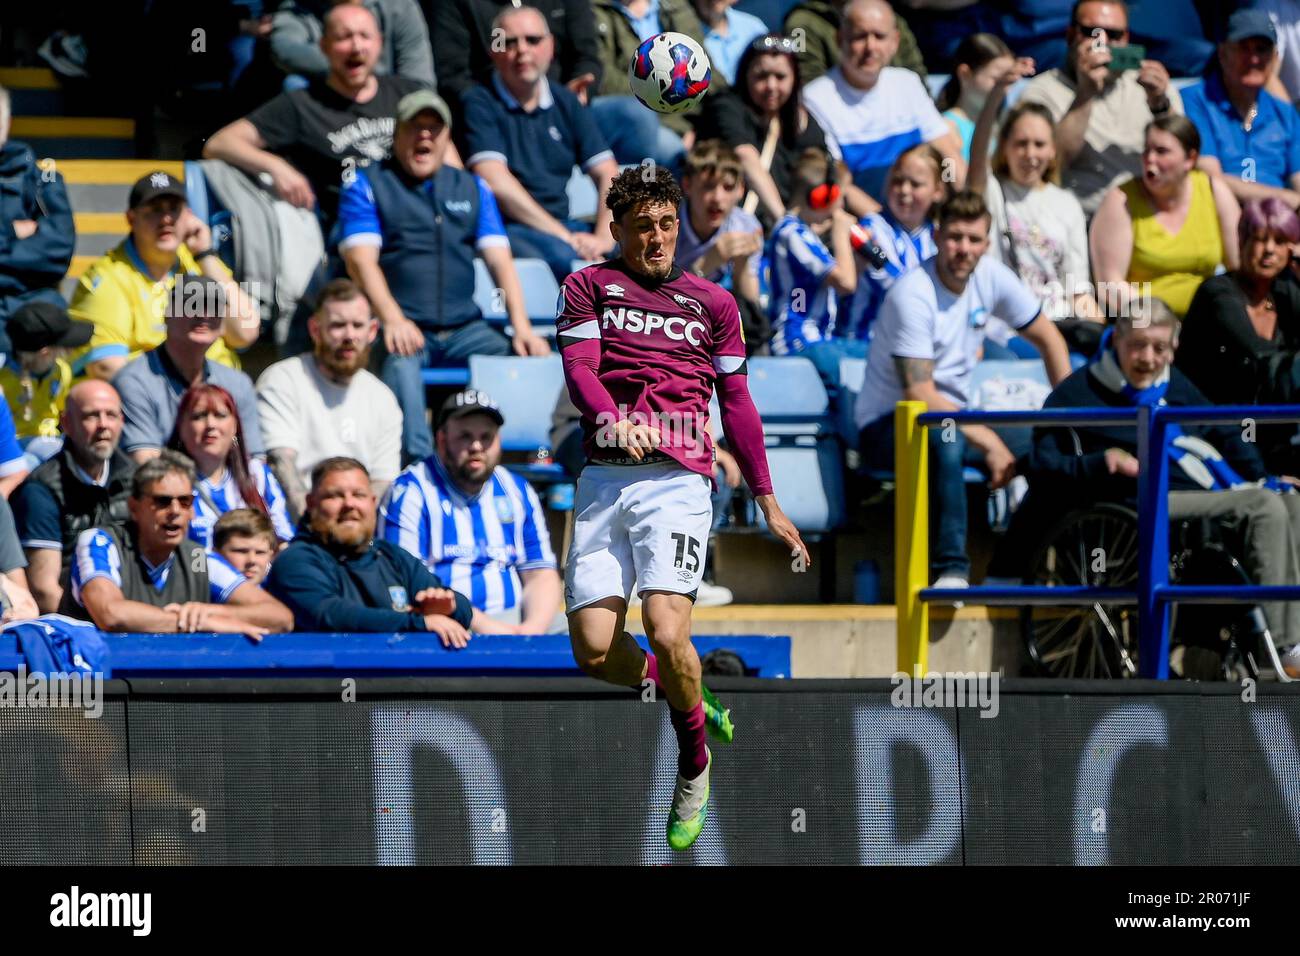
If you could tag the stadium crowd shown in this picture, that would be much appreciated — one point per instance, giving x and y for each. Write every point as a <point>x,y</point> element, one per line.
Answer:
<point>1060,183</point>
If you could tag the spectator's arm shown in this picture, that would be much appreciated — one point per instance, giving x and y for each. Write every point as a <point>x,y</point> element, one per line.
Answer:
<point>1044,336</point>
<point>917,378</point>
<point>1229,215</point>
<point>44,565</point>
<point>240,144</point>
<point>13,468</point>
<point>48,250</point>
<point>515,201</point>
<point>1244,190</point>
<point>1111,242</point>
<point>501,266</point>
<point>12,480</point>
<point>284,465</point>
<point>412,52</point>
<point>541,600</point>
<point>760,180</point>
<point>304,583</point>
<point>843,278</point>
<point>362,263</point>
<point>112,611</point>
<point>23,605</point>
<point>602,175</point>
<point>295,44</point>
<point>252,605</point>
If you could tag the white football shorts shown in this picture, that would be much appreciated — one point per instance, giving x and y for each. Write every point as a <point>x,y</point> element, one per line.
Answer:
<point>643,526</point>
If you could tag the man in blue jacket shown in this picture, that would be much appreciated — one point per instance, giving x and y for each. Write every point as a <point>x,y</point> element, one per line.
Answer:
<point>36,229</point>
<point>337,576</point>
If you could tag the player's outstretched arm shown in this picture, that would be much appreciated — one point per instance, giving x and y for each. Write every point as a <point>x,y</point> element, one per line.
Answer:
<point>744,429</point>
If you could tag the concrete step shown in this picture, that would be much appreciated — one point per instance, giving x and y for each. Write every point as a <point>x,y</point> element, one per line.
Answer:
<point>67,137</point>
<point>102,186</point>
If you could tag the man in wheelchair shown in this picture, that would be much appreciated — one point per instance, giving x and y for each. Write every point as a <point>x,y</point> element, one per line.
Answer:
<point>1214,473</point>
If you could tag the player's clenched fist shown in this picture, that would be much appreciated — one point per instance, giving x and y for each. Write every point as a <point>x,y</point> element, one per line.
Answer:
<point>637,440</point>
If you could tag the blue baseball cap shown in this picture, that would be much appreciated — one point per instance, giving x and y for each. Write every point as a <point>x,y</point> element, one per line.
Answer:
<point>1245,24</point>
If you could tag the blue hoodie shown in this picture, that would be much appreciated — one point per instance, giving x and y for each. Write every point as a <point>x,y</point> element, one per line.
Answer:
<point>332,591</point>
<point>40,261</point>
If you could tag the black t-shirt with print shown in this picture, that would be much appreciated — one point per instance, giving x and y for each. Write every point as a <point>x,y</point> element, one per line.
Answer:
<point>316,129</point>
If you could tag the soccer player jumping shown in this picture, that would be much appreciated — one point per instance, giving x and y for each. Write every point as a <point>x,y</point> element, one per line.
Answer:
<point>644,345</point>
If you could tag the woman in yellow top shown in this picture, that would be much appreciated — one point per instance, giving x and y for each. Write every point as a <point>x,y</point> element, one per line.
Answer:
<point>1170,227</point>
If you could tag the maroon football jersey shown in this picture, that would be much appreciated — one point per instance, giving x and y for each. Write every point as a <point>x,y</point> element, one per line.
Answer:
<point>659,348</point>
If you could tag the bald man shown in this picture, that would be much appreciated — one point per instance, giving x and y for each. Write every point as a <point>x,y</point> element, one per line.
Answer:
<point>871,112</point>
<point>309,140</point>
<point>85,485</point>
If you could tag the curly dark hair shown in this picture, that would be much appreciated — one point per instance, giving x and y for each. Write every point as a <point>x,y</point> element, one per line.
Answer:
<point>634,185</point>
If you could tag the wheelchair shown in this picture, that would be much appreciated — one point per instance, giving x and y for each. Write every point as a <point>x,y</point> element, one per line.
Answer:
<point>1097,546</point>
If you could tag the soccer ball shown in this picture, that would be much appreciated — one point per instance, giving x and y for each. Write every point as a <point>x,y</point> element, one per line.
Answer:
<point>669,73</point>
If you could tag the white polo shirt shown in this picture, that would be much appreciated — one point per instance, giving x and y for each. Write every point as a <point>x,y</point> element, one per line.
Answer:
<point>868,129</point>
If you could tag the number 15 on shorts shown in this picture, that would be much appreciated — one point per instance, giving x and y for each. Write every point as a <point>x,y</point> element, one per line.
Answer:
<point>687,557</point>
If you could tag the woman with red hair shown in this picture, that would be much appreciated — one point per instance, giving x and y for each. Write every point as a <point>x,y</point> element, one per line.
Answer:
<point>208,429</point>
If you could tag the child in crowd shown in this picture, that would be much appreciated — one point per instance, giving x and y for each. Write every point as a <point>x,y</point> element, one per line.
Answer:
<point>903,231</point>
<point>978,61</point>
<point>718,240</point>
<point>810,254</point>
<point>1038,228</point>
<point>247,539</point>
<point>36,378</point>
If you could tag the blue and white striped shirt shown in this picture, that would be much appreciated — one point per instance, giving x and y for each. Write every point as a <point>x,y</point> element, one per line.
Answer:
<point>476,545</point>
<point>96,556</point>
<point>226,497</point>
<point>904,251</point>
<point>802,305</point>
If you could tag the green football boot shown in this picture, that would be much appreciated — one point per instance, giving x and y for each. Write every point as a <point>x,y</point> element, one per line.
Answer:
<point>689,810</point>
<point>717,719</point>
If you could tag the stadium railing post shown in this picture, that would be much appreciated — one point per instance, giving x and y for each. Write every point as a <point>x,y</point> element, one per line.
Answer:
<point>1153,543</point>
<point>911,536</point>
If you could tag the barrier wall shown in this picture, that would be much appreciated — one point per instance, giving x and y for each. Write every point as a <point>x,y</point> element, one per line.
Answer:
<point>567,771</point>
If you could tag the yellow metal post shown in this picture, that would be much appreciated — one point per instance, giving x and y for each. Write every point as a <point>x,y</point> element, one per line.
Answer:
<point>911,536</point>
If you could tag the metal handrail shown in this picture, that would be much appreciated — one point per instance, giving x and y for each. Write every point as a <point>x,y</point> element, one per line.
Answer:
<point>1154,593</point>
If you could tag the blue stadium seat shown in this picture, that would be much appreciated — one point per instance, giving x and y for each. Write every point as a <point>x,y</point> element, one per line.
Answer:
<point>540,291</point>
<point>771,12</point>
<point>802,449</point>
<point>583,198</point>
<point>526,389</point>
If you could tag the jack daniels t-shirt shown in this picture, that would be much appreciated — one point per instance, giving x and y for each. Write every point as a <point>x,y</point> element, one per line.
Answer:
<point>316,129</point>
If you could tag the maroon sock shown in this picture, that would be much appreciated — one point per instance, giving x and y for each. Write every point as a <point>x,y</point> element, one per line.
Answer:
<point>652,672</point>
<point>692,757</point>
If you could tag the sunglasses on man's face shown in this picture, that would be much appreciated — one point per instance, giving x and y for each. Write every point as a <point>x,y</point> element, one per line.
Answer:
<point>163,502</point>
<point>1112,34</point>
<point>532,40</point>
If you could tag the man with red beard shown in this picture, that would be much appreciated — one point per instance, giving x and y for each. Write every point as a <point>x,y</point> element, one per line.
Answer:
<point>324,403</point>
<point>336,576</point>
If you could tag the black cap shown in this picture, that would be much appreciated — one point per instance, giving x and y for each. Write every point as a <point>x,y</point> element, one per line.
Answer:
<point>469,402</point>
<point>150,187</point>
<point>1245,24</point>
<point>40,324</point>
